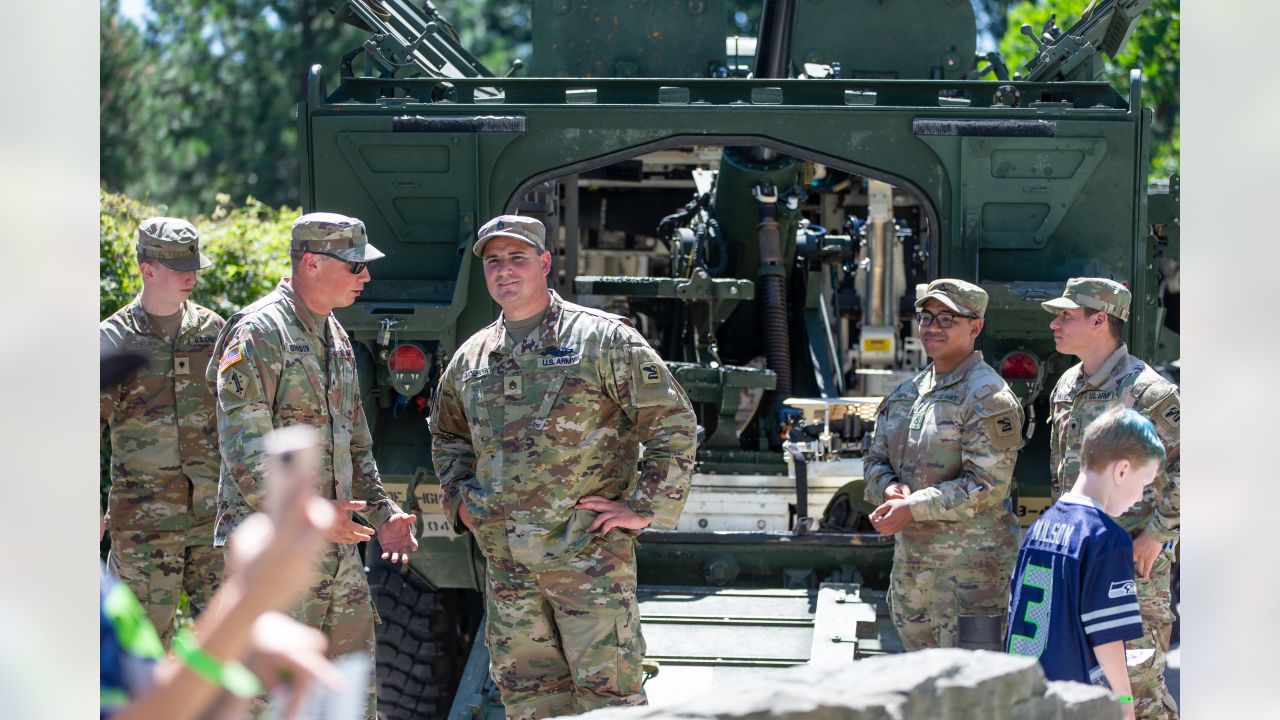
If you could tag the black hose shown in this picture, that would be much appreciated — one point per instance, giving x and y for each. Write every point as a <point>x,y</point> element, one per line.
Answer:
<point>802,481</point>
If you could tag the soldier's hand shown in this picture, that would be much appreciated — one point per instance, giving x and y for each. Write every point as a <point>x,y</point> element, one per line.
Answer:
<point>284,651</point>
<point>1145,551</point>
<point>396,536</point>
<point>896,491</point>
<point>892,516</point>
<point>346,531</point>
<point>613,513</point>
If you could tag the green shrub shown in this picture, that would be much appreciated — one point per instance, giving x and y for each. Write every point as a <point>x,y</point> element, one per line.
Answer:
<point>249,247</point>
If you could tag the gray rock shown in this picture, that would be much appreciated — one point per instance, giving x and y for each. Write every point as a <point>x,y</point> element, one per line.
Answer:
<point>947,684</point>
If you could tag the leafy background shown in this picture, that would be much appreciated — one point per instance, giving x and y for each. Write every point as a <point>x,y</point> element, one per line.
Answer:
<point>199,96</point>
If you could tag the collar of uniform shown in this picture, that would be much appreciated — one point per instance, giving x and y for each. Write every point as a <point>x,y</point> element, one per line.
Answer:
<point>141,319</point>
<point>1108,367</point>
<point>303,313</point>
<point>924,385</point>
<point>548,333</point>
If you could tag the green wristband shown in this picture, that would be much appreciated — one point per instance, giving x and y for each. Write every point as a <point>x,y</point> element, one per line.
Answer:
<point>230,675</point>
<point>1124,699</point>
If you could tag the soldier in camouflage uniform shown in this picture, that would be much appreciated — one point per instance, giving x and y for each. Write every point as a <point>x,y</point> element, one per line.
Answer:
<point>939,467</point>
<point>1089,318</point>
<point>285,360</point>
<point>536,430</point>
<point>164,447</point>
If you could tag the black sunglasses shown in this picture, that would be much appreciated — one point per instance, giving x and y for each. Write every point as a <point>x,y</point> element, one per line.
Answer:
<point>355,267</point>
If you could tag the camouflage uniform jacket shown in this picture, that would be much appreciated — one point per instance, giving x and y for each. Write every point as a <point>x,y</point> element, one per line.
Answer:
<point>274,368</point>
<point>520,432</point>
<point>164,442</point>
<point>1124,380</point>
<point>952,440</point>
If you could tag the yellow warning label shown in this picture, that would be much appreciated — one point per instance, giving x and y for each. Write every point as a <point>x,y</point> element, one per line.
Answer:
<point>876,345</point>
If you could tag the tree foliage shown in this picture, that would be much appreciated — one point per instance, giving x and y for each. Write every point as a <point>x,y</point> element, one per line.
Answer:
<point>249,247</point>
<point>1153,48</point>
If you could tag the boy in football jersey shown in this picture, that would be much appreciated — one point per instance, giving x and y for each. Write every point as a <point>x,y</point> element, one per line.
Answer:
<point>1072,597</point>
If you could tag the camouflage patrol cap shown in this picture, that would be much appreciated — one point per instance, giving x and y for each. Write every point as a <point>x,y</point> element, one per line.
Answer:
<point>333,234</point>
<point>1102,294</point>
<point>172,242</point>
<point>958,295</point>
<point>517,227</point>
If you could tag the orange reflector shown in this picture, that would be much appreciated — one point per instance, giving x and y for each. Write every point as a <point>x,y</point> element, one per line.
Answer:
<point>407,358</point>
<point>1019,366</point>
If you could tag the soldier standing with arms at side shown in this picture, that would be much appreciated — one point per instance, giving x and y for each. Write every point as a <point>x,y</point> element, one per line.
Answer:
<point>536,430</point>
<point>940,464</point>
<point>163,430</point>
<point>285,360</point>
<point>1088,321</point>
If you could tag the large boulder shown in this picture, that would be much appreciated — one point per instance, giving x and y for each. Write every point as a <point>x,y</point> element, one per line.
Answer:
<point>935,684</point>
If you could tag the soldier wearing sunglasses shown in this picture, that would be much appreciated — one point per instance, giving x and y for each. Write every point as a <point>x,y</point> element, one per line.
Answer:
<point>286,360</point>
<point>939,468</point>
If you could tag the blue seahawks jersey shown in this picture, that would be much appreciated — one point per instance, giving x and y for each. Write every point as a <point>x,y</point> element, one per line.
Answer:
<point>1072,590</point>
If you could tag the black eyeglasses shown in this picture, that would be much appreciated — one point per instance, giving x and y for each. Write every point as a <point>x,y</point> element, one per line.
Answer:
<point>355,267</point>
<point>944,320</point>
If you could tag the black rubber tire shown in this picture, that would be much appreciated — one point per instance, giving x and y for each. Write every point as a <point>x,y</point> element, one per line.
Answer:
<point>420,650</point>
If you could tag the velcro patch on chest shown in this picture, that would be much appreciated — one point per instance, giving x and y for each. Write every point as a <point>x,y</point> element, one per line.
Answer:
<point>181,365</point>
<point>547,362</point>
<point>512,386</point>
<point>476,373</point>
<point>299,348</point>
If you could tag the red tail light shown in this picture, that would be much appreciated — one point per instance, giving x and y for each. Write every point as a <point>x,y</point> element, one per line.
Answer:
<point>1020,365</point>
<point>407,358</point>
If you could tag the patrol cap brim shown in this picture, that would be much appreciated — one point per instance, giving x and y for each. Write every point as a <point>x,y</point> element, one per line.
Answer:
<point>194,261</point>
<point>951,304</point>
<point>478,248</point>
<point>1056,305</point>
<point>364,252</point>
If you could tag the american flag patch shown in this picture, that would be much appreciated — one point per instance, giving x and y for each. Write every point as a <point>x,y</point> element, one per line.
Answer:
<point>232,356</point>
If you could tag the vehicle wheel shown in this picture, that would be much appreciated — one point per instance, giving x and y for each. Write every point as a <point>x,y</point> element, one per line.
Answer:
<point>420,648</point>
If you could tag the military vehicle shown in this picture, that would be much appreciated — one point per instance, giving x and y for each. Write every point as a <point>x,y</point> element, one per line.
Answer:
<point>765,209</point>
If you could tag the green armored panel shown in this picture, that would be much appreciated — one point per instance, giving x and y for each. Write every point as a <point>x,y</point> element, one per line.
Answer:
<point>627,38</point>
<point>903,39</point>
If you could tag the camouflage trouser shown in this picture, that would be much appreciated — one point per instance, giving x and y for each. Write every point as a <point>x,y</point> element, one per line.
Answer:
<point>1151,699</point>
<point>566,640</point>
<point>341,606</point>
<point>925,601</point>
<point>158,566</point>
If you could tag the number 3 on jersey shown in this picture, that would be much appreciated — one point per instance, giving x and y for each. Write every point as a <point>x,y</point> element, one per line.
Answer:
<point>1034,613</point>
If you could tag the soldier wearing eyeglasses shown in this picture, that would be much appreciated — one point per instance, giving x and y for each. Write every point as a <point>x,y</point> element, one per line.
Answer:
<point>286,360</point>
<point>939,469</point>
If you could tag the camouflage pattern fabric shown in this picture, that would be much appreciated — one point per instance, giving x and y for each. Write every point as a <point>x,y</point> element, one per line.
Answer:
<point>275,367</point>
<point>953,441</point>
<point>521,431</point>
<point>925,602</point>
<point>1076,401</point>
<point>341,606</point>
<point>164,458</point>
<point>1101,294</point>
<point>162,565</point>
<point>566,641</point>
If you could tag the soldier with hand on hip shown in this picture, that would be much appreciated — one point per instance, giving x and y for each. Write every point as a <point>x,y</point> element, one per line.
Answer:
<point>940,464</point>
<point>163,431</point>
<point>536,431</point>
<point>286,360</point>
<point>1088,321</point>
